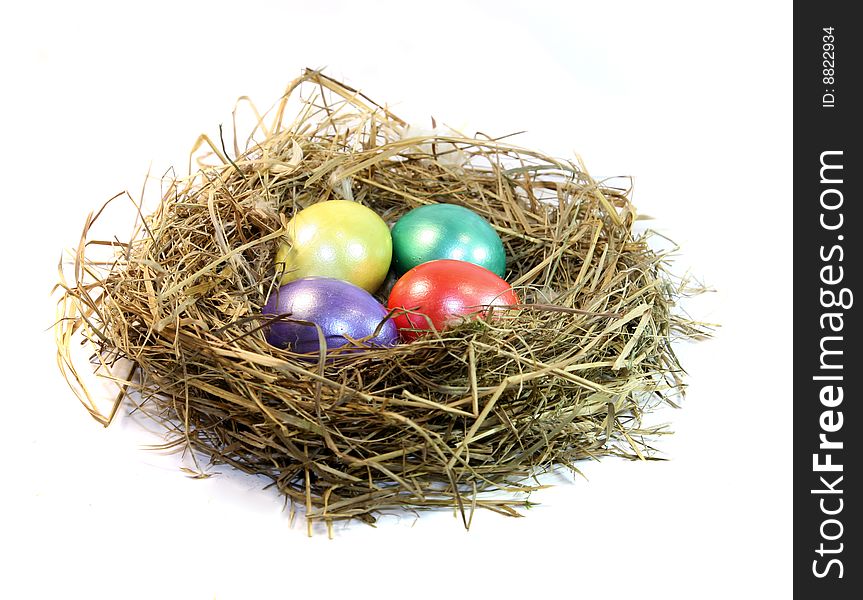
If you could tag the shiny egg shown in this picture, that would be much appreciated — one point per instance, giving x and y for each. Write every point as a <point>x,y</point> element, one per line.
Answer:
<point>342,310</point>
<point>337,238</point>
<point>441,293</point>
<point>440,231</point>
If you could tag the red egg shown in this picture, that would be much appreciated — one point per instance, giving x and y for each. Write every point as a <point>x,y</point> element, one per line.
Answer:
<point>445,291</point>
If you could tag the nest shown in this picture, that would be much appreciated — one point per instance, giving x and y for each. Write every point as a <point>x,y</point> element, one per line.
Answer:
<point>464,418</point>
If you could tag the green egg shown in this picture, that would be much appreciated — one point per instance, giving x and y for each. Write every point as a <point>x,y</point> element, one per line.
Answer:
<point>440,231</point>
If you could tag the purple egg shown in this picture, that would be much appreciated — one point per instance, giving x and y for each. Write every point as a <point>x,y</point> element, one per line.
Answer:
<point>338,307</point>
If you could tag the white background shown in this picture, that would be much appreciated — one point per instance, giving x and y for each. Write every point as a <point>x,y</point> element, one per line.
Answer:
<point>692,99</point>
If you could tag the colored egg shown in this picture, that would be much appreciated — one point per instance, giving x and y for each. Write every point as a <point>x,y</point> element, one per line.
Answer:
<point>339,239</point>
<point>445,291</point>
<point>341,309</point>
<point>439,231</point>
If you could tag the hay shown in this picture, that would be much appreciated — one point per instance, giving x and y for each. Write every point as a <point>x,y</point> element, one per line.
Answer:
<point>466,418</point>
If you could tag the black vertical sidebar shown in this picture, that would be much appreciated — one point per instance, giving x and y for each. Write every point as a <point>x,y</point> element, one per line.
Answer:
<point>828,343</point>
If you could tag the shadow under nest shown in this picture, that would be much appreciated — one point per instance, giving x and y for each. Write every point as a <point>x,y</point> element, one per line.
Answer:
<point>463,418</point>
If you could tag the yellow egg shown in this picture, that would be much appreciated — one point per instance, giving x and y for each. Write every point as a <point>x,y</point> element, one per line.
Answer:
<point>337,238</point>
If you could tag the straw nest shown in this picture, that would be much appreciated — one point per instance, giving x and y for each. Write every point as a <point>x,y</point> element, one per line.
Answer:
<point>466,418</point>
